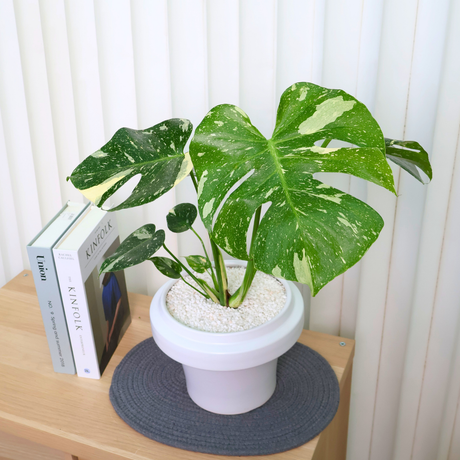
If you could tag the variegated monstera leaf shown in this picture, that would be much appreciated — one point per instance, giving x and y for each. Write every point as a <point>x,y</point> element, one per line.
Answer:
<point>311,232</point>
<point>156,153</point>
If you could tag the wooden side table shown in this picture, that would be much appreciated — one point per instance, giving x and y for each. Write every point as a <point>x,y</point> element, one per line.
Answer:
<point>44,413</point>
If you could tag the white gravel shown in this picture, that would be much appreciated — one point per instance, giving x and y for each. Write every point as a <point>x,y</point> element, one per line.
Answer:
<point>265,299</point>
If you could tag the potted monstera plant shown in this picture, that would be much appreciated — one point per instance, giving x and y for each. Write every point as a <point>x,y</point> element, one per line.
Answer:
<point>310,232</point>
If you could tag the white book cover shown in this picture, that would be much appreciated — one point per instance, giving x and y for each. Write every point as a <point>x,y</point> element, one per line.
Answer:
<point>96,306</point>
<point>40,252</point>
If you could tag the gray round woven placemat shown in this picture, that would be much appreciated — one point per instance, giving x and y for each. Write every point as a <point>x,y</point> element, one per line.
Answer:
<point>148,392</point>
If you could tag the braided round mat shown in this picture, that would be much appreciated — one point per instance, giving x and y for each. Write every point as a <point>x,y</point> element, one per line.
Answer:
<point>148,392</point>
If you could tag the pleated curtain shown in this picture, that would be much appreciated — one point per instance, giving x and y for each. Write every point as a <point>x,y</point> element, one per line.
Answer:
<point>74,71</point>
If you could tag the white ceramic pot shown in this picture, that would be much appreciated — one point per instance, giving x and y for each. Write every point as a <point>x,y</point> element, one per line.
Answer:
<point>229,373</point>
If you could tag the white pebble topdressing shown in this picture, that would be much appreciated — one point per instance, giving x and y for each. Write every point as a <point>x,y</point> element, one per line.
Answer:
<point>265,299</point>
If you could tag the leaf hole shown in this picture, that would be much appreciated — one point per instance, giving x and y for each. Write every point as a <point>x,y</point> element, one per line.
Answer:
<point>123,193</point>
<point>232,189</point>
<point>265,207</point>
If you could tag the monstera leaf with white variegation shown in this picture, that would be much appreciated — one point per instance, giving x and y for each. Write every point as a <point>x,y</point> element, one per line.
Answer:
<point>157,154</point>
<point>410,155</point>
<point>311,232</point>
<point>135,249</point>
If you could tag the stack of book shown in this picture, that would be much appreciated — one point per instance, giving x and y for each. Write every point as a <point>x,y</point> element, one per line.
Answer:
<point>85,314</point>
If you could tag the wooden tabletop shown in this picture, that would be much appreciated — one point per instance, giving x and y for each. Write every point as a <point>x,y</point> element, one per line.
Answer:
<point>74,414</point>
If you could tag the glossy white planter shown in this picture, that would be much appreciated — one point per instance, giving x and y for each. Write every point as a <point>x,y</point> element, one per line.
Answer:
<point>229,373</point>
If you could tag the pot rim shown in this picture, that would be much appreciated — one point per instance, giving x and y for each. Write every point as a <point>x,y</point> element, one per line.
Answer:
<point>189,330</point>
<point>230,350</point>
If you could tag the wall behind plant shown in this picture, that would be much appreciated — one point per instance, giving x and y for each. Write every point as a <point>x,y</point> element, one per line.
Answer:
<point>73,71</point>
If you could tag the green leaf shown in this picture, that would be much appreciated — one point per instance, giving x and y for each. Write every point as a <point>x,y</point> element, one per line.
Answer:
<point>311,233</point>
<point>155,153</point>
<point>168,267</point>
<point>410,155</point>
<point>136,248</point>
<point>198,263</point>
<point>181,217</point>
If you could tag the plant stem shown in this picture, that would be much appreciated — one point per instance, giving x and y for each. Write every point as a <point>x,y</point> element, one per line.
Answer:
<point>213,276</point>
<point>210,293</point>
<point>193,287</point>
<point>193,177</point>
<point>221,273</point>
<point>326,142</point>
<point>214,280</point>
<point>238,297</point>
<point>222,284</point>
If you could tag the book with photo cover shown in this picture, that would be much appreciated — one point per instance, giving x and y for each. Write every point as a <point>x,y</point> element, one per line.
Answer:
<point>40,252</point>
<point>96,306</point>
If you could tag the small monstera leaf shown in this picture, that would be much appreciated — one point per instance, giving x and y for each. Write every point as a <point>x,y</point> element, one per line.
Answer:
<point>155,153</point>
<point>198,263</point>
<point>410,155</point>
<point>311,232</point>
<point>136,248</point>
<point>181,217</point>
<point>168,267</point>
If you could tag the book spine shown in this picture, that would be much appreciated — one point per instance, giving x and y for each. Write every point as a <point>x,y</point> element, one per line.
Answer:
<point>77,313</point>
<point>52,310</point>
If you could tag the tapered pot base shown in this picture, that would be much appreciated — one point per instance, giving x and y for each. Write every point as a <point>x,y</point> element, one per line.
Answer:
<point>231,392</point>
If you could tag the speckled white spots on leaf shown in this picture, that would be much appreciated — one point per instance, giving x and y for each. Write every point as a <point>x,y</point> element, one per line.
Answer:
<point>201,183</point>
<point>326,112</point>
<point>270,192</point>
<point>227,247</point>
<point>99,154</point>
<point>219,123</point>
<point>334,198</point>
<point>300,149</point>
<point>110,267</point>
<point>142,234</point>
<point>303,94</point>
<point>348,224</point>
<point>129,157</point>
<point>185,124</point>
<point>208,208</point>
<point>163,128</point>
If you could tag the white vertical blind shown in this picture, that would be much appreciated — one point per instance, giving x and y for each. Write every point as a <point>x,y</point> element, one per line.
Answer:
<point>10,241</point>
<point>149,25</point>
<point>55,39</point>
<point>223,32</point>
<point>74,71</point>
<point>189,84</point>
<point>19,159</point>
<point>118,94</point>
<point>258,34</point>
<point>35,77</point>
